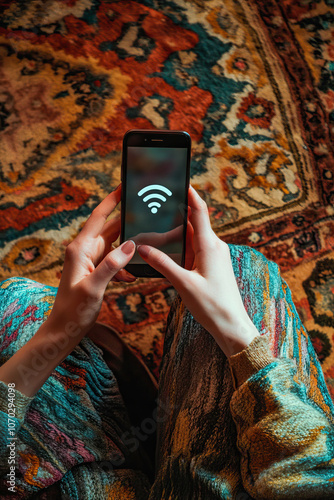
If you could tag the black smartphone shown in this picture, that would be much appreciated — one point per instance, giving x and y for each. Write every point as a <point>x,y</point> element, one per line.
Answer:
<point>154,203</point>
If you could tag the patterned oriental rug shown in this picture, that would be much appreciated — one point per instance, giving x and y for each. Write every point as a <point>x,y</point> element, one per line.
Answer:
<point>252,81</point>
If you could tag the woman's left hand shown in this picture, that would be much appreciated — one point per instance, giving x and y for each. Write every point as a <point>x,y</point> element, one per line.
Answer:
<point>90,264</point>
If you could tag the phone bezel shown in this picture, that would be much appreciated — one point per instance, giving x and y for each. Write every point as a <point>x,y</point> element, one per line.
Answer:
<point>154,138</point>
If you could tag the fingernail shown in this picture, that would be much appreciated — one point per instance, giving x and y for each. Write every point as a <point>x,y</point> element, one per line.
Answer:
<point>128,246</point>
<point>143,251</point>
<point>129,277</point>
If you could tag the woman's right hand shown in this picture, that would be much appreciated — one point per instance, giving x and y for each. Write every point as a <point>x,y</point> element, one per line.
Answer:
<point>207,285</point>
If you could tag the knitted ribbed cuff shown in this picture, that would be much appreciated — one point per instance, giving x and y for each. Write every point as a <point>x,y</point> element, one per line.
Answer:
<point>20,401</point>
<point>250,360</point>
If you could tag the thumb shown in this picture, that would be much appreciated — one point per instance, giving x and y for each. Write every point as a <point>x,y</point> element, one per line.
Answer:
<point>160,261</point>
<point>110,265</point>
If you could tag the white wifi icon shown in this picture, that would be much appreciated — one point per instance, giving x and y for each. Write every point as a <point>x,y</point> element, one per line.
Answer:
<point>154,205</point>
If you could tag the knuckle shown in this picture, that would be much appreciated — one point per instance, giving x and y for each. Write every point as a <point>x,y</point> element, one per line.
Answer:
<point>161,259</point>
<point>71,250</point>
<point>96,209</point>
<point>111,263</point>
<point>202,204</point>
<point>215,244</point>
<point>98,213</point>
<point>203,209</point>
<point>95,213</point>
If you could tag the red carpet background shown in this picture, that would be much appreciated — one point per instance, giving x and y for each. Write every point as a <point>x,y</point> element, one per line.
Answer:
<point>253,84</point>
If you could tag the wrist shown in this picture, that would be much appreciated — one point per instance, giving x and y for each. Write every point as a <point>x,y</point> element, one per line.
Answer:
<point>235,336</point>
<point>60,336</point>
<point>31,365</point>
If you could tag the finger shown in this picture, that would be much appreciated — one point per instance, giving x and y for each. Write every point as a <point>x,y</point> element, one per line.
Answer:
<point>159,239</point>
<point>110,265</point>
<point>174,234</point>
<point>200,220</point>
<point>190,255</point>
<point>110,233</point>
<point>160,261</point>
<point>112,227</point>
<point>124,275</point>
<point>108,239</point>
<point>98,217</point>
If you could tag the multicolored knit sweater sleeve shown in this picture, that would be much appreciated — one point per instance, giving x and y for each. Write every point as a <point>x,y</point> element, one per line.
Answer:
<point>286,441</point>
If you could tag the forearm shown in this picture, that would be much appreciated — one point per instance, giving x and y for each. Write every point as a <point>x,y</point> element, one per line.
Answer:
<point>31,365</point>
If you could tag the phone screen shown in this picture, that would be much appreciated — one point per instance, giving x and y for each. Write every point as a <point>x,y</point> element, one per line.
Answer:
<point>155,199</point>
